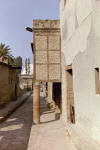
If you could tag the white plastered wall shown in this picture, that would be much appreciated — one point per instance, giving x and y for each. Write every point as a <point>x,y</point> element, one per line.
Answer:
<point>84,57</point>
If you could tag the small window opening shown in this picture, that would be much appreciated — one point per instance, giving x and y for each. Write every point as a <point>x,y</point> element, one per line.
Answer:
<point>46,89</point>
<point>70,97</point>
<point>64,2</point>
<point>97,84</point>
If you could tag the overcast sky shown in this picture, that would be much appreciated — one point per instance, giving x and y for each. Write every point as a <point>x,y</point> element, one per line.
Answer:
<point>15,15</point>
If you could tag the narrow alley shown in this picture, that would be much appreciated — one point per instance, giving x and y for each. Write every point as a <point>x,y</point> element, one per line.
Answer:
<point>15,131</point>
<point>50,75</point>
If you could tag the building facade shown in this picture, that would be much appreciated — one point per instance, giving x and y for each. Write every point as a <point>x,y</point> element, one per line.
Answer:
<point>26,78</point>
<point>26,82</point>
<point>80,48</point>
<point>47,62</point>
<point>9,82</point>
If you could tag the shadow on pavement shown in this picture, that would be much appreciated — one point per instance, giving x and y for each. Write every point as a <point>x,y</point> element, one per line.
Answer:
<point>15,131</point>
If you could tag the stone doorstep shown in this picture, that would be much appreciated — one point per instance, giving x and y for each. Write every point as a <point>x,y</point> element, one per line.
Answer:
<point>80,139</point>
<point>8,110</point>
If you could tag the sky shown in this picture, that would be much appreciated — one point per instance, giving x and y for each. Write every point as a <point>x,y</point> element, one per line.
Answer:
<point>15,15</point>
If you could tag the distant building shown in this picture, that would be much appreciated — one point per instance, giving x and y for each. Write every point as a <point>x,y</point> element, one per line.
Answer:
<point>26,80</point>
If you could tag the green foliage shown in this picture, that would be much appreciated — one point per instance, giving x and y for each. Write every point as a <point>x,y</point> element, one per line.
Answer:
<point>18,62</point>
<point>27,65</point>
<point>5,51</point>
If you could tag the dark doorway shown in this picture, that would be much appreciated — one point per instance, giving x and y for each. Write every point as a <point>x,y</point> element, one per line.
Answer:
<point>15,90</point>
<point>57,94</point>
<point>46,89</point>
<point>70,97</point>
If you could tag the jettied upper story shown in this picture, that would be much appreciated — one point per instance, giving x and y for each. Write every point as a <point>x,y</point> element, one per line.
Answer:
<point>47,50</point>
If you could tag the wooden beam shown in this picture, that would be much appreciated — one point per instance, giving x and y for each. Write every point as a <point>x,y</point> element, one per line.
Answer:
<point>68,67</point>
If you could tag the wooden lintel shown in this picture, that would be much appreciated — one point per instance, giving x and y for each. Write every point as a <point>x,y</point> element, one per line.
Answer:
<point>68,67</point>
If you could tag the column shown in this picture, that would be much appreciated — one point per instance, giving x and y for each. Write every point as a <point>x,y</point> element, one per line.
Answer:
<point>50,96</point>
<point>50,92</point>
<point>36,103</point>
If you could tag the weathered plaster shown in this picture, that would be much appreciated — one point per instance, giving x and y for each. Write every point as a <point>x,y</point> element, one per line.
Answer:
<point>82,49</point>
<point>75,31</point>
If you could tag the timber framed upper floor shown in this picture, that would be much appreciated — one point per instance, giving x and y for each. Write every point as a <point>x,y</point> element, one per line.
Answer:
<point>47,50</point>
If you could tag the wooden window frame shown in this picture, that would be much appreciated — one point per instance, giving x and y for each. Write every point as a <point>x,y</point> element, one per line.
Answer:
<point>64,2</point>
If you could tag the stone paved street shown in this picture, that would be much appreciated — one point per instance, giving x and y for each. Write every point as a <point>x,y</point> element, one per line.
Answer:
<point>51,134</point>
<point>15,131</point>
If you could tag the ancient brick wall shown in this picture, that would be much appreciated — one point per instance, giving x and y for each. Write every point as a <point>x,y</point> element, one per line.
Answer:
<point>7,83</point>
